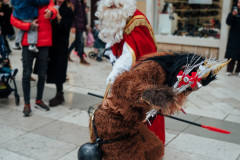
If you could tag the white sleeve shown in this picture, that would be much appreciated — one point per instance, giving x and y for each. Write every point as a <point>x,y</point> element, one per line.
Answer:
<point>123,63</point>
<point>109,53</point>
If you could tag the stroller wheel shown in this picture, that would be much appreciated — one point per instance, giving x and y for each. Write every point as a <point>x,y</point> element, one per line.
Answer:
<point>17,99</point>
<point>92,55</point>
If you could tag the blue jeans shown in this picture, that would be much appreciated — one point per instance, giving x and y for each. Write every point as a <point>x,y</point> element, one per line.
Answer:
<point>78,44</point>
<point>42,63</point>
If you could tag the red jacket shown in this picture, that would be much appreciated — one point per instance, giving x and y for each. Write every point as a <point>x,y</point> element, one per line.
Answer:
<point>44,28</point>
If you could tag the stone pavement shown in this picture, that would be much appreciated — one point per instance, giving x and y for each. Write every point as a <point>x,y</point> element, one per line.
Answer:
<point>58,133</point>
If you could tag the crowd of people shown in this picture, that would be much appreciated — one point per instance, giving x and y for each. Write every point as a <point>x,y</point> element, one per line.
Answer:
<point>44,28</point>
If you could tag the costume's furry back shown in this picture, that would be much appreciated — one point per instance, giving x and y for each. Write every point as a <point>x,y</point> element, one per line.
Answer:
<point>151,84</point>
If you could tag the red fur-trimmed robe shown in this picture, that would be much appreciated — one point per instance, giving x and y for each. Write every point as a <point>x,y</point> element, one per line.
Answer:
<point>139,36</point>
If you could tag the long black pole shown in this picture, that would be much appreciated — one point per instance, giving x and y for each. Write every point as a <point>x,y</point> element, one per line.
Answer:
<point>95,95</point>
<point>182,120</point>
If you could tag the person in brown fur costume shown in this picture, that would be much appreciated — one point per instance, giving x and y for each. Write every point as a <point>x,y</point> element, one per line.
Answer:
<point>118,121</point>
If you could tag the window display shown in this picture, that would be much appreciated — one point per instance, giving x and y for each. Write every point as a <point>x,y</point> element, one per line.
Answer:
<point>189,18</point>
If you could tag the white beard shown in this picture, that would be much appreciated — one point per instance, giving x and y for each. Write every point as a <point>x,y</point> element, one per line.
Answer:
<point>113,21</point>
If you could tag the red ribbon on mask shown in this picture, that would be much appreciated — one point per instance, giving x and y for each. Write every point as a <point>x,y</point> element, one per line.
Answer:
<point>185,79</point>
<point>194,79</point>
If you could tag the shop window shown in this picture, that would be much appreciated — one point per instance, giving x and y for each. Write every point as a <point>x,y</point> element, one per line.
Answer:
<point>192,18</point>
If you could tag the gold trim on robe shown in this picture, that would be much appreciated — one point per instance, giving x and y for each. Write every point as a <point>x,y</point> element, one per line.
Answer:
<point>139,20</point>
<point>133,54</point>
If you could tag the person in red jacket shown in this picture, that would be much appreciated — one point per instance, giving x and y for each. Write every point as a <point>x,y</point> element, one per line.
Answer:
<point>129,34</point>
<point>43,25</point>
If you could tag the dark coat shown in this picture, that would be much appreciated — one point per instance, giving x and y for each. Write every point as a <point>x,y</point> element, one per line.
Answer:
<point>7,28</point>
<point>80,20</point>
<point>27,9</point>
<point>58,53</point>
<point>233,45</point>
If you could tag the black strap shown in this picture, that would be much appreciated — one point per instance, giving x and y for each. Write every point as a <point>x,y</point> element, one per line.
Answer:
<point>99,141</point>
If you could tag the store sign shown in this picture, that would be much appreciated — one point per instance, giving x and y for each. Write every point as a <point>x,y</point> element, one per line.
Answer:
<point>200,1</point>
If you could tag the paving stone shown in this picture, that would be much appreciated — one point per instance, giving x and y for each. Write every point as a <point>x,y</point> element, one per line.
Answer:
<point>4,110</point>
<point>197,100</point>
<point>234,128</point>
<point>233,118</point>
<point>210,98</point>
<point>206,147</point>
<point>80,101</point>
<point>175,125</point>
<point>7,155</point>
<point>15,119</point>
<point>232,101</point>
<point>174,154</point>
<point>8,133</point>
<point>213,113</point>
<point>80,118</point>
<point>70,156</point>
<point>219,93</point>
<point>38,147</point>
<point>238,157</point>
<point>65,132</point>
<point>170,135</point>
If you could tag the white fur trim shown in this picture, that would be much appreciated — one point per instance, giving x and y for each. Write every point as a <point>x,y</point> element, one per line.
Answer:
<point>123,63</point>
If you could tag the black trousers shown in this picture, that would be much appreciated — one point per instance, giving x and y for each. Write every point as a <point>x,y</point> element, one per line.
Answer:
<point>42,63</point>
<point>78,44</point>
<point>231,65</point>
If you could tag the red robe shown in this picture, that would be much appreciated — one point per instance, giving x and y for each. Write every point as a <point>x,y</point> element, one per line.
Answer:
<point>139,36</point>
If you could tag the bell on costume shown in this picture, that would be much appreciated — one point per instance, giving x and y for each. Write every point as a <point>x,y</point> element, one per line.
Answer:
<point>90,151</point>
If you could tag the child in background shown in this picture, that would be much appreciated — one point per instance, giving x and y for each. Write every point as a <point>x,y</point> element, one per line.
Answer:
<point>27,11</point>
<point>90,38</point>
<point>98,44</point>
<point>5,68</point>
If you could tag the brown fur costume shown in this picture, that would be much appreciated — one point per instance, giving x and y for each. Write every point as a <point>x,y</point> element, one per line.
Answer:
<point>133,94</point>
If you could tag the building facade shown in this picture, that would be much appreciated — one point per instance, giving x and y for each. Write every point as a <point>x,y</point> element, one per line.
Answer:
<point>197,26</point>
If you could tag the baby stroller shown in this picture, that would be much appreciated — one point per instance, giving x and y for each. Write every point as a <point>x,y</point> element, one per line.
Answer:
<point>7,75</point>
<point>101,51</point>
<point>93,55</point>
<point>99,46</point>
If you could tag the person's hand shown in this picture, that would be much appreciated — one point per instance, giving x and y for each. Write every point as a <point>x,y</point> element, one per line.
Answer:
<point>59,17</point>
<point>34,25</point>
<point>111,77</point>
<point>1,14</point>
<point>48,14</point>
<point>73,30</point>
<point>234,12</point>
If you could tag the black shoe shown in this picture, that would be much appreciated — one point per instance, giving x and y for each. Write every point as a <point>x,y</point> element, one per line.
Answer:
<point>16,46</point>
<point>27,110</point>
<point>83,61</point>
<point>57,100</point>
<point>41,105</point>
